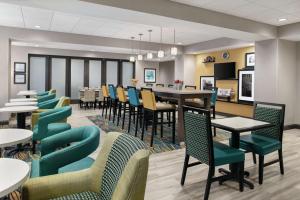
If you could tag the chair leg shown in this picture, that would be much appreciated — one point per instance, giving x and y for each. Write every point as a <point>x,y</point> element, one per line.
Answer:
<point>281,161</point>
<point>129,119</point>
<point>144,123</point>
<point>119,113</point>
<point>115,110</point>
<point>214,112</point>
<point>137,122</point>
<point>173,126</point>
<point>261,169</point>
<point>169,118</point>
<point>185,166</point>
<point>241,176</point>
<point>254,157</point>
<point>124,111</point>
<point>110,109</point>
<point>208,184</point>
<point>162,124</point>
<point>215,131</point>
<point>154,123</point>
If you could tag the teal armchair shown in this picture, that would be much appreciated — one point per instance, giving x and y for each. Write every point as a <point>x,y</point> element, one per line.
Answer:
<point>49,123</point>
<point>83,141</point>
<point>51,91</point>
<point>45,98</point>
<point>48,104</point>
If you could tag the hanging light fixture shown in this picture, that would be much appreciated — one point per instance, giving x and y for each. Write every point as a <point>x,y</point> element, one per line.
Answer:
<point>160,53</point>
<point>174,48</point>
<point>140,56</point>
<point>149,54</point>
<point>132,57</point>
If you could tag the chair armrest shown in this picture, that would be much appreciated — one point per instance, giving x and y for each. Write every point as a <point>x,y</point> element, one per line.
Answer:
<point>54,186</point>
<point>34,119</point>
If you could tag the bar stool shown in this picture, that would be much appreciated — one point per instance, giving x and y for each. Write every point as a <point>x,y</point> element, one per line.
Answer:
<point>113,101</point>
<point>106,100</point>
<point>151,106</point>
<point>123,102</point>
<point>134,102</point>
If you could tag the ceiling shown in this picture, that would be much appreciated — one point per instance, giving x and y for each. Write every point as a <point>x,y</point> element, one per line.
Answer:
<point>266,11</point>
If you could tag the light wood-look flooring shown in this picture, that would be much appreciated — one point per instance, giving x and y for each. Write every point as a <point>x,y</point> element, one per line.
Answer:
<point>165,173</point>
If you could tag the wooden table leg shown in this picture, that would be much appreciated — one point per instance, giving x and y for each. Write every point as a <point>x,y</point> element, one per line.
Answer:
<point>180,128</point>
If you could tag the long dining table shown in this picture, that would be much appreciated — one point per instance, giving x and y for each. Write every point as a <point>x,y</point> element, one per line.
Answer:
<point>180,96</point>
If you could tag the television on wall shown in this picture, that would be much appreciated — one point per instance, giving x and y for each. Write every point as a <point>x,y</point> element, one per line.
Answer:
<point>224,71</point>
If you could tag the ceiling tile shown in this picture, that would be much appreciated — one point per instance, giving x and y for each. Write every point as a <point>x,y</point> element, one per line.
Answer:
<point>63,22</point>
<point>87,25</point>
<point>11,15</point>
<point>37,17</point>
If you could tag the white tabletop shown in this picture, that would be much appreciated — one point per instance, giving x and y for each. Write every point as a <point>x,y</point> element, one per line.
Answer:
<point>27,93</point>
<point>21,104</point>
<point>13,174</point>
<point>238,123</point>
<point>9,137</point>
<point>24,100</point>
<point>183,91</point>
<point>18,109</point>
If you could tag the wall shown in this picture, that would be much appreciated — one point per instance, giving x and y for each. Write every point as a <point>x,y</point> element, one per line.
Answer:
<point>189,64</point>
<point>20,54</point>
<point>139,70</point>
<point>167,72</point>
<point>297,88</point>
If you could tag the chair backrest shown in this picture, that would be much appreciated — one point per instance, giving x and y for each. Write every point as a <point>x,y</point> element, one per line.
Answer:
<point>170,86</point>
<point>190,87</point>
<point>52,91</point>
<point>63,101</point>
<point>83,141</point>
<point>198,135</point>
<point>48,104</point>
<point>112,91</point>
<point>160,85</point>
<point>149,85</point>
<point>273,113</point>
<point>121,94</point>
<point>89,95</point>
<point>105,91</point>
<point>46,97</point>
<point>148,98</point>
<point>133,96</point>
<point>122,166</point>
<point>214,96</point>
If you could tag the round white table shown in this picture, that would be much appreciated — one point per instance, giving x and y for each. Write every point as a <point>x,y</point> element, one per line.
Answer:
<point>21,113</point>
<point>10,137</point>
<point>21,104</point>
<point>24,100</point>
<point>13,174</point>
<point>27,93</point>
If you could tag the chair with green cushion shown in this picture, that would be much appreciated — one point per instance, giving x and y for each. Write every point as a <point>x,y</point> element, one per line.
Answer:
<point>49,123</point>
<point>51,91</point>
<point>200,145</point>
<point>267,140</point>
<point>83,141</point>
<point>45,98</point>
<point>118,173</point>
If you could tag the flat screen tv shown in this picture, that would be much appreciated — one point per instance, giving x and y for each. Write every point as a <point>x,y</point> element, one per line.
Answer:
<point>224,71</point>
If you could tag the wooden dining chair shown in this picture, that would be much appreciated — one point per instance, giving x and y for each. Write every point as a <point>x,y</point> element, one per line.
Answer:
<point>114,100</point>
<point>123,105</point>
<point>106,100</point>
<point>135,108</point>
<point>200,145</point>
<point>160,85</point>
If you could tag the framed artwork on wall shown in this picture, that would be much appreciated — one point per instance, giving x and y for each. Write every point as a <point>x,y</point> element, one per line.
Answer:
<point>20,67</point>
<point>207,82</point>
<point>19,78</point>
<point>149,75</point>
<point>246,86</point>
<point>250,60</point>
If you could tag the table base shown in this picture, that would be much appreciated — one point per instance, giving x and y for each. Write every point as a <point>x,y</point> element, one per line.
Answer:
<point>232,176</point>
<point>19,148</point>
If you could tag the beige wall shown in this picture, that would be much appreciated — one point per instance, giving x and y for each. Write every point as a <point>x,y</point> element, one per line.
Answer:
<point>139,70</point>
<point>166,72</point>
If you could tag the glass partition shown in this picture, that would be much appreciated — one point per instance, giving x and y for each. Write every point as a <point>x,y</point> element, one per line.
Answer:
<point>77,75</point>
<point>95,73</point>
<point>127,73</point>
<point>58,76</point>
<point>112,72</point>
<point>37,73</point>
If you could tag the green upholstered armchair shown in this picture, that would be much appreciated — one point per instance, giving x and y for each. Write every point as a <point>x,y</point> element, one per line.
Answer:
<point>48,123</point>
<point>47,105</point>
<point>45,98</point>
<point>57,157</point>
<point>118,173</point>
<point>51,91</point>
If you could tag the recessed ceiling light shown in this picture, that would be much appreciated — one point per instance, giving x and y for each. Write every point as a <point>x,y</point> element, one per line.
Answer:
<point>36,45</point>
<point>282,19</point>
<point>37,26</point>
<point>179,43</point>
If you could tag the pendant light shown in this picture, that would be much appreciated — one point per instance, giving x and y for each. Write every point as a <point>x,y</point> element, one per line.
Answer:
<point>174,48</point>
<point>149,54</point>
<point>160,53</point>
<point>140,56</point>
<point>132,57</point>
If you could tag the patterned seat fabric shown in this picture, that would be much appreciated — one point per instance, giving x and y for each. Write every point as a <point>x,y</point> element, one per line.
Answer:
<point>80,196</point>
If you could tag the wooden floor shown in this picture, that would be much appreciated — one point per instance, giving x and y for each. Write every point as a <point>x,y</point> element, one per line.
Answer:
<point>165,173</point>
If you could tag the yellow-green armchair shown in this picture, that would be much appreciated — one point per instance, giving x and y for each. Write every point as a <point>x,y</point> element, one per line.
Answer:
<point>118,173</point>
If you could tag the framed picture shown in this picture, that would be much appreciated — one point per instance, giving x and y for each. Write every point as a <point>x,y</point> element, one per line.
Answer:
<point>250,60</point>
<point>20,67</point>
<point>207,82</point>
<point>246,86</point>
<point>149,75</point>
<point>20,78</point>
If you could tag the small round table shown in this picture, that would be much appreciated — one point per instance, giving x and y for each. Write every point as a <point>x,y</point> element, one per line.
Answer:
<point>13,174</point>
<point>24,100</point>
<point>27,93</point>
<point>10,137</point>
<point>29,103</point>
<point>21,113</point>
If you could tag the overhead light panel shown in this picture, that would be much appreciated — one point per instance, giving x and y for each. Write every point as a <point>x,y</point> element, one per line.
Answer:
<point>174,48</point>
<point>140,56</point>
<point>149,54</point>
<point>160,53</point>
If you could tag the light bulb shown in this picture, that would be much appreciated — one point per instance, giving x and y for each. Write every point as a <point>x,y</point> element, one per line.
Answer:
<point>149,55</point>
<point>160,54</point>
<point>174,51</point>
<point>140,57</point>
<point>132,59</point>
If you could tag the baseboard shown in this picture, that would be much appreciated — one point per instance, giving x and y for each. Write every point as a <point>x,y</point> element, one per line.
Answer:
<point>291,126</point>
